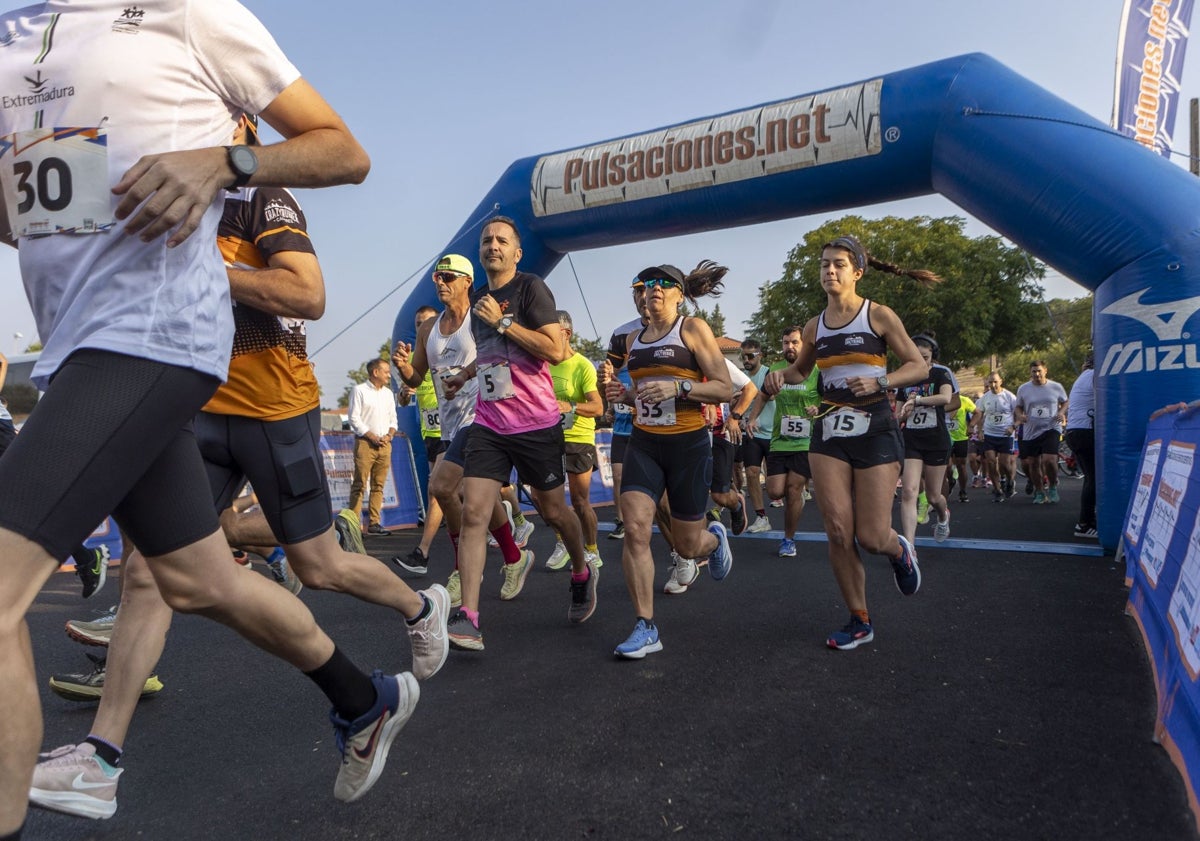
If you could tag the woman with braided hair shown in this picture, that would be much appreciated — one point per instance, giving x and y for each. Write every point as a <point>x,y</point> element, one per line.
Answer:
<point>675,366</point>
<point>856,449</point>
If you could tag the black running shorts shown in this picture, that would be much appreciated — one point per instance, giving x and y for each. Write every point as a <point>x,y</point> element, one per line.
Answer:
<point>112,435</point>
<point>281,459</point>
<point>537,456</point>
<point>680,464</point>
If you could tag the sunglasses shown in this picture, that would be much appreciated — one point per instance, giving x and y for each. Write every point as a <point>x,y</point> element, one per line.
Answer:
<point>664,282</point>
<point>750,356</point>
<point>447,277</point>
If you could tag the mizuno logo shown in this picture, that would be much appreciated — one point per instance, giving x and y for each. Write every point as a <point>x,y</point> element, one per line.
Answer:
<point>1167,319</point>
<point>1136,358</point>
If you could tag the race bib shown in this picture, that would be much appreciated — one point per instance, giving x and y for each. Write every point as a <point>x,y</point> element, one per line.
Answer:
<point>655,414</point>
<point>568,420</point>
<point>55,181</point>
<point>622,409</point>
<point>495,382</point>
<point>922,417</point>
<point>792,426</point>
<point>431,419</point>
<point>1041,412</point>
<point>996,419</point>
<point>846,423</point>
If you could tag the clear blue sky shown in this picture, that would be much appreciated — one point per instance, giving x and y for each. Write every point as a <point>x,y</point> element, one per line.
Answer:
<point>445,96</point>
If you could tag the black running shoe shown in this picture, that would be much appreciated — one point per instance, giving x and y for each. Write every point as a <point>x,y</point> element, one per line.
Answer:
<point>416,561</point>
<point>92,570</point>
<point>737,517</point>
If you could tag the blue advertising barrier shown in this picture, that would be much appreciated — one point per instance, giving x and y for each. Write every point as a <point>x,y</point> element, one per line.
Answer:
<point>1162,556</point>
<point>402,502</point>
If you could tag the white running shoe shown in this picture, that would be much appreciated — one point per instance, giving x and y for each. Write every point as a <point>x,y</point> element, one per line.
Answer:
<point>683,575</point>
<point>941,528</point>
<point>522,533</point>
<point>430,645</point>
<point>593,558</point>
<point>559,558</point>
<point>72,779</point>
<point>759,525</point>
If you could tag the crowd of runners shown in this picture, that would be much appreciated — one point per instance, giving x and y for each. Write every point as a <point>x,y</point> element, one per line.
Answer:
<point>177,372</point>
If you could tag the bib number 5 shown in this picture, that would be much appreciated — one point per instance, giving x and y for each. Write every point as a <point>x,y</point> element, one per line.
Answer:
<point>495,382</point>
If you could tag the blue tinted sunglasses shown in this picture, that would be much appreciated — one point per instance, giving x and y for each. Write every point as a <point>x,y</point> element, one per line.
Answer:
<point>664,282</point>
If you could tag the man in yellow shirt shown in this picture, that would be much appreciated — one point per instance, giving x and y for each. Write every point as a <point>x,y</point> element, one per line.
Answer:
<point>580,404</point>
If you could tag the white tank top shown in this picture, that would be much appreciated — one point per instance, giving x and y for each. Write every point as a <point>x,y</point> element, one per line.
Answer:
<point>448,355</point>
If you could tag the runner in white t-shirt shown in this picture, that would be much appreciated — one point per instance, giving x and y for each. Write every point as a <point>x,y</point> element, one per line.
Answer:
<point>113,169</point>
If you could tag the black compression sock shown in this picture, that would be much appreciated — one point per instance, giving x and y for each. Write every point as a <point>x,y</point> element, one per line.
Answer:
<point>347,688</point>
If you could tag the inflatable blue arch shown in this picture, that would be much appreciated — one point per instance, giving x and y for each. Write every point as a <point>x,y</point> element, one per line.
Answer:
<point>1097,206</point>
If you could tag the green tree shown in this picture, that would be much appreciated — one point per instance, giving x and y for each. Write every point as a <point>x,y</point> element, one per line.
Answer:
<point>1063,340</point>
<point>715,319</point>
<point>359,374</point>
<point>988,302</point>
<point>593,349</point>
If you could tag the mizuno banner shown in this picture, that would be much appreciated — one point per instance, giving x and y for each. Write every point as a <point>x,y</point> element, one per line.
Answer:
<point>1150,51</point>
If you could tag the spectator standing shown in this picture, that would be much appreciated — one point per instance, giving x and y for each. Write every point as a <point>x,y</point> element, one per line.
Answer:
<point>372,415</point>
<point>1081,438</point>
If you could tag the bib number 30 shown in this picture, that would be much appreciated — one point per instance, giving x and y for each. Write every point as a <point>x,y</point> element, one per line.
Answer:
<point>55,181</point>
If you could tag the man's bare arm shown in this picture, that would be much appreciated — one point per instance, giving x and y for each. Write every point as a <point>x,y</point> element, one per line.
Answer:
<point>171,191</point>
<point>291,286</point>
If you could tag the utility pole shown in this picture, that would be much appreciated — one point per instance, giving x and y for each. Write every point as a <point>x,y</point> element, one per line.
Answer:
<point>1194,151</point>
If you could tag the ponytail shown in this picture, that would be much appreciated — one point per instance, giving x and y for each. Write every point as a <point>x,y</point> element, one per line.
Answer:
<point>705,279</point>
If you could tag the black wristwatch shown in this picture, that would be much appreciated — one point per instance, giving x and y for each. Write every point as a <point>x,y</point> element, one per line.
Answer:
<point>503,324</point>
<point>244,164</point>
<point>737,416</point>
<point>685,389</point>
<point>883,382</point>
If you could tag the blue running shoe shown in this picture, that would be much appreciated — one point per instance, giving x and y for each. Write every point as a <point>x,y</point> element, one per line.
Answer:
<point>365,742</point>
<point>643,641</point>
<point>787,548</point>
<point>853,634</point>
<point>908,574</point>
<point>721,559</point>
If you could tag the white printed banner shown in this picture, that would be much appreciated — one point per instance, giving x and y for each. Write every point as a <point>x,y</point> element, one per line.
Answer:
<point>807,131</point>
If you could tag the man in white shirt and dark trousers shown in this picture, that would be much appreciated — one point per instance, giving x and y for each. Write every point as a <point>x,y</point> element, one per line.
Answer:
<point>373,421</point>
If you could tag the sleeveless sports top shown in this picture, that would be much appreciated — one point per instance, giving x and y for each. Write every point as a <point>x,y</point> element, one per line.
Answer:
<point>854,350</point>
<point>447,355</point>
<point>666,358</point>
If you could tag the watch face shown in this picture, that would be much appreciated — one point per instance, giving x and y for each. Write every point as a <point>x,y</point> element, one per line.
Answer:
<point>243,160</point>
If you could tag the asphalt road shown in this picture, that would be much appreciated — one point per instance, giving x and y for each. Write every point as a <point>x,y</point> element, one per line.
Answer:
<point>1010,699</point>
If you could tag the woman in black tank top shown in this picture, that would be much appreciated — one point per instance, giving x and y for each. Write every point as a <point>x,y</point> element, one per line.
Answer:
<point>676,365</point>
<point>856,448</point>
